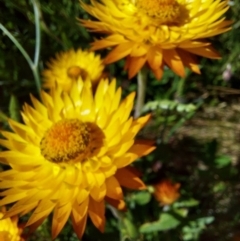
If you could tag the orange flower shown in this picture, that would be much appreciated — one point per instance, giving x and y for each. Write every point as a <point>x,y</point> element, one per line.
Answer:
<point>157,32</point>
<point>166,192</point>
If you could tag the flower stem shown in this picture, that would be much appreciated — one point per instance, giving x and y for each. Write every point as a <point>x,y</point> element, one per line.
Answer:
<point>141,93</point>
<point>17,44</point>
<point>181,85</point>
<point>33,65</point>
<point>37,31</point>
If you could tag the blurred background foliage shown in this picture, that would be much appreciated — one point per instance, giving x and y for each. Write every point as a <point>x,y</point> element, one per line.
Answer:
<point>196,125</point>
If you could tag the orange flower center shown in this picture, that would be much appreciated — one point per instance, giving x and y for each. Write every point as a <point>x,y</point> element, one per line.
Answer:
<point>164,11</point>
<point>74,72</point>
<point>71,140</point>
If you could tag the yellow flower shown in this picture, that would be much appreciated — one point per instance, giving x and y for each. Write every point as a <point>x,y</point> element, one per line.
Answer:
<point>71,155</point>
<point>166,192</point>
<point>157,32</point>
<point>9,230</point>
<point>70,65</point>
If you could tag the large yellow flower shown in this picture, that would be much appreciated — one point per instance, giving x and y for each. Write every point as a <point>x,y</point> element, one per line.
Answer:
<point>9,230</point>
<point>70,65</point>
<point>157,32</point>
<point>71,155</point>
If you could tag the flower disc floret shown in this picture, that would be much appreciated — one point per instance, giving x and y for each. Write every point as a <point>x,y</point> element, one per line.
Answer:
<point>71,155</point>
<point>160,11</point>
<point>70,140</point>
<point>74,72</point>
<point>157,33</point>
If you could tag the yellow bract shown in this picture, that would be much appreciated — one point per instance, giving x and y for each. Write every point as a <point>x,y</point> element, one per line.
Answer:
<point>9,230</point>
<point>71,155</point>
<point>68,66</point>
<point>157,32</point>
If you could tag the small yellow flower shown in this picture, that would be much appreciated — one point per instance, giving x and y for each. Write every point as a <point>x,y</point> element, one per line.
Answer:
<point>70,65</point>
<point>157,32</point>
<point>166,192</point>
<point>9,230</point>
<point>71,155</point>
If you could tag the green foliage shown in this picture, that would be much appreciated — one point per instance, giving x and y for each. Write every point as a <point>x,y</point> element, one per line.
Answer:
<point>194,228</point>
<point>166,221</point>
<point>14,110</point>
<point>141,198</point>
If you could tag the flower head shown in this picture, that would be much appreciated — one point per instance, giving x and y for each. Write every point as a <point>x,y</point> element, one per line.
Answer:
<point>166,192</point>
<point>9,230</point>
<point>71,154</point>
<point>157,32</point>
<point>70,65</point>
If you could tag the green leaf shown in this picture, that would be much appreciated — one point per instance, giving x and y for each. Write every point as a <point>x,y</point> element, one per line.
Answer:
<point>183,212</point>
<point>3,117</point>
<point>166,222</point>
<point>142,198</point>
<point>150,227</point>
<point>222,161</point>
<point>130,228</point>
<point>186,203</point>
<point>219,187</point>
<point>205,220</point>
<point>14,108</point>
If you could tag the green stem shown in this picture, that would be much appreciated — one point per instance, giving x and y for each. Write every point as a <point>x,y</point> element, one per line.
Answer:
<point>141,93</point>
<point>181,85</point>
<point>18,45</point>
<point>33,65</point>
<point>36,77</point>
<point>37,30</point>
<point>37,44</point>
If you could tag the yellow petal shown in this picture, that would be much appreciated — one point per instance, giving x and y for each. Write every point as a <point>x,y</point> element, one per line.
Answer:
<point>119,204</point>
<point>114,190</point>
<point>98,193</point>
<point>119,52</point>
<point>96,213</point>
<point>135,64</point>
<point>207,51</point>
<point>128,179</point>
<point>79,227</point>
<point>174,61</point>
<point>60,217</point>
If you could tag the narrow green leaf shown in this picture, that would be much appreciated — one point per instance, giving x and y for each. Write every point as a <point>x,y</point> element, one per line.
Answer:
<point>3,117</point>
<point>186,203</point>
<point>130,228</point>
<point>14,108</point>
